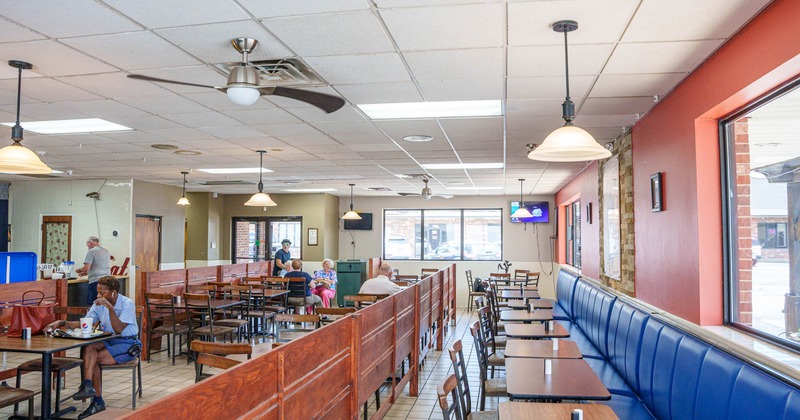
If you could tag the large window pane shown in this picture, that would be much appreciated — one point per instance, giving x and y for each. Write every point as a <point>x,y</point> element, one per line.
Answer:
<point>611,223</point>
<point>402,234</point>
<point>442,234</point>
<point>763,156</point>
<point>483,234</point>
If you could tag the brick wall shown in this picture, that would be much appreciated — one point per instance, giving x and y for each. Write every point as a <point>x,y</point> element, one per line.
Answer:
<point>745,232</point>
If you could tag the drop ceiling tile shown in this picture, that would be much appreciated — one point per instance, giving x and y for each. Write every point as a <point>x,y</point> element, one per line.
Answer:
<point>142,50</point>
<point>160,14</point>
<point>540,107</point>
<point>374,93</point>
<point>145,122</point>
<point>531,23</point>
<point>47,90</point>
<point>199,74</point>
<point>202,120</point>
<point>351,139</point>
<point>548,87</point>
<point>548,61</point>
<point>456,64</point>
<point>629,105</point>
<point>106,109</point>
<point>164,104</point>
<point>608,120</point>
<point>262,116</point>
<point>275,8</point>
<point>42,112</point>
<point>13,32</point>
<point>231,132</point>
<point>473,129</point>
<point>304,141</point>
<point>635,84</point>
<point>375,147</point>
<point>57,19</point>
<point>659,57</point>
<point>181,134</point>
<point>136,136</point>
<point>211,144</point>
<point>334,129</point>
<point>684,20</point>
<point>331,34</point>
<point>437,146</point>
<point>397,129</point>
<point>368,68</point>
<point>287,129</point>
<point>462,89</point>
<point>449,27</point>
<point>219,101</point>
<point>212,42</point>
<point>346,114</point>
<point>51,58</point>
<point>544,122</point>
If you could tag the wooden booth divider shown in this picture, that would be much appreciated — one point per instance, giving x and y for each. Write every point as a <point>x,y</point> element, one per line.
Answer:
<point>332,371</point>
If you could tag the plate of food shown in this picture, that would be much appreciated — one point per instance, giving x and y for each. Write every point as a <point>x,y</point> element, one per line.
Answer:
<point>76,334</point>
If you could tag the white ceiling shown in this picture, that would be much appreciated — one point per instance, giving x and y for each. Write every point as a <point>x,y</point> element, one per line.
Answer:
<point>624,53</point>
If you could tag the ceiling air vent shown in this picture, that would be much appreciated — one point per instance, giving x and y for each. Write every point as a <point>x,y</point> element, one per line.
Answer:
<point>283,72</point>
<point>228,182</point>
<point>379,189</point>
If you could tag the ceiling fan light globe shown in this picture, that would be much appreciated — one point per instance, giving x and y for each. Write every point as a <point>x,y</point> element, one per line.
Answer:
<point>426,193</point>
<point>569,144</point>
<point>260,199</point>
<point>351,215</point>
<point>244,96</point>
<point>18,159</point>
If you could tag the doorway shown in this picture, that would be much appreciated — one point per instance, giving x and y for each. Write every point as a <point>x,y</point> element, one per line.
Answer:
<point>147,234</point>
<point>258,238</point>
<point>56,239</point>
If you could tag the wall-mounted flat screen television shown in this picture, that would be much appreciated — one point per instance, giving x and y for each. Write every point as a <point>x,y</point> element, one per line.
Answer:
<point>365,223</point>
<point>539,211</point>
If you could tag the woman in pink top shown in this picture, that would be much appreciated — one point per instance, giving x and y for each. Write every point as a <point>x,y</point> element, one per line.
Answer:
<point>326,282</point>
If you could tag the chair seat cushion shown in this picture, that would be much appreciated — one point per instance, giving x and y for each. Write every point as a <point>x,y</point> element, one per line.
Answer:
<point>58,363</point>
<point>10,395</point>
<point>610,378</point>
<point>167,329</point>
<point>217,330</point>
<point>497,359</point>
<point>484,415</point>
<point>627,407</point>
<point>496,387</point>
<point>275,308</point>
<point>500,341</point>
<point>126,365</point>
<point>559,314</point>
<point>236,323</point>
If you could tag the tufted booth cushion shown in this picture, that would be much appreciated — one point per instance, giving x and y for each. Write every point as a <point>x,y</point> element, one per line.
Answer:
<point>565,287</point>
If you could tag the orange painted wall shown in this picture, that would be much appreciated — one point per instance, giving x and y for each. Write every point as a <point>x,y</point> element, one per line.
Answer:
<point>583,187</point>
<point>679,251</point>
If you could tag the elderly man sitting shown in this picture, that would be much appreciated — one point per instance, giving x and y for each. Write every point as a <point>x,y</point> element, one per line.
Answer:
<point>381,285</point>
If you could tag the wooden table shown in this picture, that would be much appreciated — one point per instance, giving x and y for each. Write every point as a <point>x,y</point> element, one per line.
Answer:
<point>535,331</point>
<point>46,346</point>
<point>515,294</point>
<point>534,288</point>
<point>533,411</point>
<point>214,303</point>
<point>572,379</point>
<point>535,303</point>
<point>542,349</point>
<point>539,315</point>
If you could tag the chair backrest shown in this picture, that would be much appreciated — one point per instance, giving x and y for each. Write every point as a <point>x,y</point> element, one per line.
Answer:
<point>297,320</point>
<point>213,354</point>
<point>532,279</point>
<point>334,311</point>
<point>491,298</point>
<point>470,281</point>
<point>276,283</point>
<point>480,350</point>
<point>520,274</point>
<point>428,271</point>
<point>402,283</point>
<point>449,411</point>
<point>159,307</point>
<point>506,276</point>
<point>487,329</point>
<point>198,306</point>
<point>406,277</point>
<point>361,300</point>
<point>479,302</point>
<point>460,370</point>
<point>242,292</point>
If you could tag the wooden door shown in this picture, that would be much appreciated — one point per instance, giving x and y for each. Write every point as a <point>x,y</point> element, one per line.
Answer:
<point>148,246</point>
<point>56,239</point>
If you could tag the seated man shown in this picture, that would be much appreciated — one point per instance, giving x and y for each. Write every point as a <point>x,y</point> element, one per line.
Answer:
<point>117,315</point>
<point>381,285</point>
<point>300,292</point>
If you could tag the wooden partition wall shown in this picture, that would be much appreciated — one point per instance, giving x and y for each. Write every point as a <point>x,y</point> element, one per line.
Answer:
<point>331,372</point>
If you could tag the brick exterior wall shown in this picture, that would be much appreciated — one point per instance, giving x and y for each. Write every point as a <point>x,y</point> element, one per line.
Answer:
<point>745,230</point>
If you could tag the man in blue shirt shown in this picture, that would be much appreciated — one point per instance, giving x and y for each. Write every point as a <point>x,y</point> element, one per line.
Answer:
<point>300,290</point>
<point>281,257</point>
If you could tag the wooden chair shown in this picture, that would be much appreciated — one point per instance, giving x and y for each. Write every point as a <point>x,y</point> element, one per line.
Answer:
<point>238,316</point>
<point>402,283</point>
<point>201,320</point>
<point>406,277</point>
<point>208,289</point>
<point>425,272</point>
<point>9,396</point>
<point>464,396</point>
<point>500,276</point>
<point>494,355</point>
<point>449,411</point>
<point>276,304</point>
<point>259,312</point>
<point>297,322</point>
<point>490,387</point>
<point>59,366</point>
<point>160,308</point>
<point>360,301</point>
<point>472,293</point>
<point>213,354</point>
<point>328,315</point>
<point>134,365</point>
<point>521,274</point>
<point>532,279</point>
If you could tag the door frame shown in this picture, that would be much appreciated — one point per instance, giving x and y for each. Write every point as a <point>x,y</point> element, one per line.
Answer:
<point>135,264</point>
<point>56,219</point>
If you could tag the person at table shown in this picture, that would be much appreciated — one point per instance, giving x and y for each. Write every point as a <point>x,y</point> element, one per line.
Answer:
<point>300,291</point>
<point>117,315</point>
<point>96,264</point>
<point>326,282</point>
<point>280,267</point>
<point>381,285</point>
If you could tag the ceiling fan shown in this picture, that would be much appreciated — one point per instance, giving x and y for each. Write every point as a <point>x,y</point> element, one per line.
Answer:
<point>243,83</point>
<point>426,192</point>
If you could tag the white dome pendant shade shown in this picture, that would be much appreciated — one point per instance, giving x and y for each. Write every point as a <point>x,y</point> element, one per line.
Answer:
<point>16,158</point>
<point>521,211</point>
<point>183,201</point>
<point>260,199</point>
<point>351,214</point>
<point>568,143</point>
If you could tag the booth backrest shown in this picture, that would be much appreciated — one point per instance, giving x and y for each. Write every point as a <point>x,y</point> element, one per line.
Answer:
<point>625,330</point>
<point>565,287</point>
<point>591,311</point>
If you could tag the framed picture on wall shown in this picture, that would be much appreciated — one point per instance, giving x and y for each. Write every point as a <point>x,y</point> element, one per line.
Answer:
<point>312,236</point>
<point>656,198</point>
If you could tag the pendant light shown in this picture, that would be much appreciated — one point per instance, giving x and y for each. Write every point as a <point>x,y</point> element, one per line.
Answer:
<point>260,199</point>
<point>351,215</point>
<point>183,201</point>
<point>16,158</point>
<point>568,143</point>
<point>522,211</point>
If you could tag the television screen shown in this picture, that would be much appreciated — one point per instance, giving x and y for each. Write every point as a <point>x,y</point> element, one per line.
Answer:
<point>538,209</point>
<point>365,223</point>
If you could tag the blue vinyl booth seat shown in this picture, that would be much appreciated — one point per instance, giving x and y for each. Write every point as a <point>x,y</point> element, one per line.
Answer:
<point>655,370</point>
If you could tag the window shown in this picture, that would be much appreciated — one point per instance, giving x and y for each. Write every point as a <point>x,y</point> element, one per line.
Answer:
<point>250,237</point>
<point>611,222</point>
<point>573,243</point>
<point>761,160</point>
<point>446,234</point>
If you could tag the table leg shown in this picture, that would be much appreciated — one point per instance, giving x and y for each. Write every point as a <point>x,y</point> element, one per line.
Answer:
<point>47,361</point>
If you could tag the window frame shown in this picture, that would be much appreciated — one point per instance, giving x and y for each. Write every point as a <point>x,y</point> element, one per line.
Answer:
<point>423,238</point>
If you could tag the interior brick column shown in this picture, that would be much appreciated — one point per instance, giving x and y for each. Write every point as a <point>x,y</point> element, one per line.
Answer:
<point>744,231</point>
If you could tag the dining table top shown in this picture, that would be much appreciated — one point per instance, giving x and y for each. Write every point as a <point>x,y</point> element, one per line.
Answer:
<point>535,331</point>
<point>542,349</point>
<point>535,303</point>
<point>501,288</point>
<point>49,344</point>
<point>518,410</point>
<point>213,303</point>
<point>539,315</point>
<point>515,294</point>
<point>571,379</point>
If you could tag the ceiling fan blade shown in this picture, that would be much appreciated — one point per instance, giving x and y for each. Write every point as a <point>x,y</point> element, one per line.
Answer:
<point>323,101</point>
<point>445,196</point>
<point>405,194</point>
<point>174,82</point>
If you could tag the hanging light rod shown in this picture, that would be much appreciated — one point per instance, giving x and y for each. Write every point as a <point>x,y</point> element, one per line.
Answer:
<point>521,211</point>
<point>16,158</point>
<point>183,201</point>
<point>351,214</point>
<point>568,143</point>
<point>260,199</point>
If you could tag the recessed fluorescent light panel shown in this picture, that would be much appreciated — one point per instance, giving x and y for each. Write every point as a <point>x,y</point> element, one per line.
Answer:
<point>475,188</point>
<point>442,109</point>
<point>233,170</point>
<point>86,125</point>
<point>463,166</point>
<point>310,190</point>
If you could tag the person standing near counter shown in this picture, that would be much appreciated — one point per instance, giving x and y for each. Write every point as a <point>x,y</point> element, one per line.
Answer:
<point>96,264</point>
